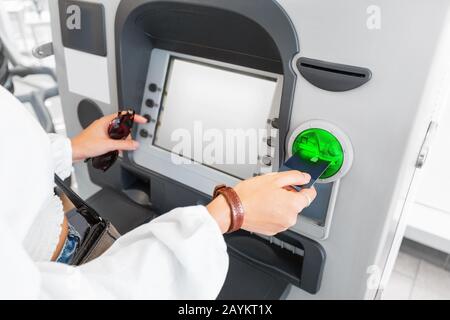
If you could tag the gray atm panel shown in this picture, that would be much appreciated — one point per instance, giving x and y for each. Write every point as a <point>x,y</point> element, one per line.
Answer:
<point>212,29</point>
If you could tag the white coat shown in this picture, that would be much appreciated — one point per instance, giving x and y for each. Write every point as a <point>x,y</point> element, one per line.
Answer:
<point>181,255</point>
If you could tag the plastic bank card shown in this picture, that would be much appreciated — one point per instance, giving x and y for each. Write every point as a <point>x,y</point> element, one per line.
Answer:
<point>314,169</point>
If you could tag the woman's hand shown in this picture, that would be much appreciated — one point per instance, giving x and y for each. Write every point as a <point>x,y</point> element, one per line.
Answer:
<point>94,141</point>
<point>270,204</point>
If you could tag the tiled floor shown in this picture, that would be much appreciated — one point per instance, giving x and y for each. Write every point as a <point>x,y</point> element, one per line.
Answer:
<point>419,273</point>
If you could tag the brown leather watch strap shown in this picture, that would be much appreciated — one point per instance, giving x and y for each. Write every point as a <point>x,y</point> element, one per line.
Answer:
<point>236,207</point>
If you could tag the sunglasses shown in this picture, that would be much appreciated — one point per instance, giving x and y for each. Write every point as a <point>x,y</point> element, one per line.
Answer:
<point>119,129</point>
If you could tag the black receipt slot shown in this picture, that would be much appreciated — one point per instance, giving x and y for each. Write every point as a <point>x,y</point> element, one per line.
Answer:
<point>255,34</point>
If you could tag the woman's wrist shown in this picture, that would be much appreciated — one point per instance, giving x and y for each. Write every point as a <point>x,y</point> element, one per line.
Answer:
<point>221,212</point>
<point>79,149</point>
<point>75,152</point>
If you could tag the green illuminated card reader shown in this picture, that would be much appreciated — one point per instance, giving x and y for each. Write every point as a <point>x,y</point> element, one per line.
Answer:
<point>321,141</point>
<point>310,145</point>
<point>314,145</point>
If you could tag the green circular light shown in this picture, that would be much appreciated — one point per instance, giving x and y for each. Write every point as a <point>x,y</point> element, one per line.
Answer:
<point>318,144</point>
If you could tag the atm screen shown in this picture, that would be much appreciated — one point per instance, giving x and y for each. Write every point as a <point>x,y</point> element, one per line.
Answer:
<point>210,108</point>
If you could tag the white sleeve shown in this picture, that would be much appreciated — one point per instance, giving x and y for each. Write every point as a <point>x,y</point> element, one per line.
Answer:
<point>181,255</point>
<point>61,154</point>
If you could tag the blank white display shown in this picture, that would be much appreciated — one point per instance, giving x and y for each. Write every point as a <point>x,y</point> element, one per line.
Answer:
<point>218,99</point>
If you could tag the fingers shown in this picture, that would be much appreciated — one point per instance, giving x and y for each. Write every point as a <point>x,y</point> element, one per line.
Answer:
<point>140,119</point>
<point>305,197</point>
<point>123,145</point>
<point>292,178</point>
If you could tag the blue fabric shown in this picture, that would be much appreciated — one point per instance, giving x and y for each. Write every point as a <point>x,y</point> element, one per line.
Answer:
<point>70,246</point>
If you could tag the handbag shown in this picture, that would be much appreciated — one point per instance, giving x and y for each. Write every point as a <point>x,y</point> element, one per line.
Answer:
<point>100,235</point>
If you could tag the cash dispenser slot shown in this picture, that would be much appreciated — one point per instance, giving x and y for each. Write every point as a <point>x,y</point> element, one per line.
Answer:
<point>292,258</point>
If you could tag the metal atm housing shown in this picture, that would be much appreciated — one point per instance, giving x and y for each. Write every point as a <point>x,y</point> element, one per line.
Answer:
<point>360,71</point>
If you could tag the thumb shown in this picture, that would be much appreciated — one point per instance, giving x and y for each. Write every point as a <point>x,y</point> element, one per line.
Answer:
<point>123,145</point>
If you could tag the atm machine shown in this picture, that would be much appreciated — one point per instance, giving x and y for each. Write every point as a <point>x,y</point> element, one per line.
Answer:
<point>358,84</point>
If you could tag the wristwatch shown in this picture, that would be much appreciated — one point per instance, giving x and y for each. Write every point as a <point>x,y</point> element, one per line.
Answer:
<point>235,204</point>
